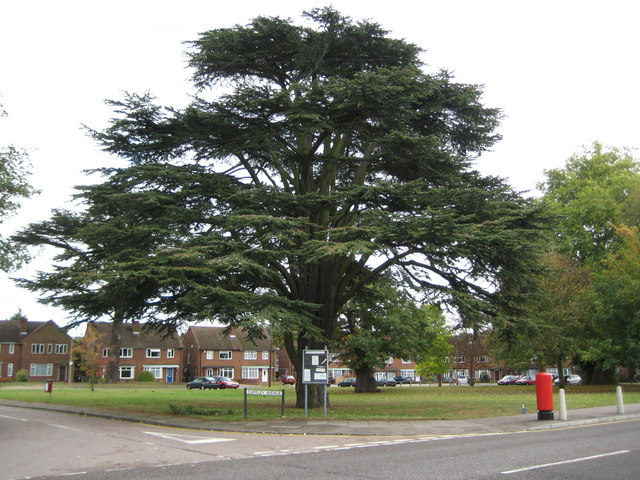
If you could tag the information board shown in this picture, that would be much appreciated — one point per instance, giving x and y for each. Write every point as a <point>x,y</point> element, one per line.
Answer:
<point>315,367</point>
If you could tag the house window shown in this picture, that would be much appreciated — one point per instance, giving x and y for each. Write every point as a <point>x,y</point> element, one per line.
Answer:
<point>126,373</point>
<point>265,355</point>
<point>389,361</point>
<point>458,359</point>
<point>170,353</point>
<point>37,348</point>
<point>50,348</point>
<point>61,348</point>
<point>209,354</point>
<point>126,353</point>
<point>250,355</point>
<point>209,372</point>
<point>405,361</point>
<point>408,373</point>
<point>157,372</point>
<point>12,348</point>
<point>483,358</point>
<point>41,369</point>
<point>10,370</point>
<point>250,372</point>
<point>226,372</point>
<point>105,352</point>
<point>225,354</point>
<point>153,353</point>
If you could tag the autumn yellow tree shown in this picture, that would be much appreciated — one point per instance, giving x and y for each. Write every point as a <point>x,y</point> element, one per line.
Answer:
<point>89,353</point>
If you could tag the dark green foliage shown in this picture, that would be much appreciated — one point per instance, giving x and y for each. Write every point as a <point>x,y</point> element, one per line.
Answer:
<point>328,160</point>
<point>203,411</point>
<point>146,376</point>
<point>14,186</point>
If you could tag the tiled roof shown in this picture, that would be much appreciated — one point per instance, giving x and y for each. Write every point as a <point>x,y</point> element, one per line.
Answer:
<point>210,338</point>
<point>143,339</point>
<point>10,330</point>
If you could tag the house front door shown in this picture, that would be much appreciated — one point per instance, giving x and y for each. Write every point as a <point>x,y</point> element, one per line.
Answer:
<point>62,373</point>
<point>265,375</point>
<point>169,375</point>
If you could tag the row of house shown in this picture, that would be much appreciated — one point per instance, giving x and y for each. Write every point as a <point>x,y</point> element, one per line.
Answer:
<point>44,351</point>
<point>41,348</point>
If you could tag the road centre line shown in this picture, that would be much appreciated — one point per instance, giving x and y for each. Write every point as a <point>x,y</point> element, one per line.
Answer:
<point>564,462</point>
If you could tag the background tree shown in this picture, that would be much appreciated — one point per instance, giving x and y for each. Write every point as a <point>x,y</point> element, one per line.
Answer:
<point>435,360</point>
<point>596,190</point>
<point>617,285</point>
<point>328,159</point>
<point>561,313</point>
<point>89,354</point>
<point>594,193</point>
<point>14,186</point>
<point>380,323</point>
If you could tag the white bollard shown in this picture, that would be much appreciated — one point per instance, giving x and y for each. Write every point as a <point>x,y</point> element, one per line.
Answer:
<point>563,406</point>
<point>619,400</point>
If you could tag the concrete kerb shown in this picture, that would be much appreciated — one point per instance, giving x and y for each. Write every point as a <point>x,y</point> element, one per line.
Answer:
<point>588,421</point>
<point>489,425</point>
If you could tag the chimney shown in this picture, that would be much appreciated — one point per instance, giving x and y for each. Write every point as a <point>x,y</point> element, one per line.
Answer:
<point>135,326</point>
<point>24,326</point>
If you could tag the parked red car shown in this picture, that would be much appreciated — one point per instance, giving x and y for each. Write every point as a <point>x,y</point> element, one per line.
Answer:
<point>526,380</point>
<point>224,382</point>
<point>288,380</point>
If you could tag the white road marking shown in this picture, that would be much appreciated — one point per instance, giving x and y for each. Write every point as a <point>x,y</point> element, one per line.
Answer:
<point>564,462</point>
<point>14,418</point>
<point>190,439</point>
<point>64,427</point>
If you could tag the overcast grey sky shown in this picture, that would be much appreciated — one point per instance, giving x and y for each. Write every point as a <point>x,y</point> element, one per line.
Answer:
<point>564,73</point>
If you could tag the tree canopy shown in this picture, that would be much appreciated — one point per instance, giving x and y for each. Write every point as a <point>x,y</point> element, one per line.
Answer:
<point>381,322</point>
<point>315,159</point>
<point>584,305</point>
<point>596,190</point>
<point>14,186</point>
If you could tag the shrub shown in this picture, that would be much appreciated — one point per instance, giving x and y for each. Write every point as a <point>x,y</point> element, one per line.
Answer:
<point>146,376</point>
<point>191,410</point>
<point>22,376</point>
<point>484,377</point>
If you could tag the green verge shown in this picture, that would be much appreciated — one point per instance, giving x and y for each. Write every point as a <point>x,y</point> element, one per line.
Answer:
<point>407,402</point>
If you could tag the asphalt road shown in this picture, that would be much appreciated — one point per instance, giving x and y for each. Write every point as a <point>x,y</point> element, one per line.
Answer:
<point>48,444</point>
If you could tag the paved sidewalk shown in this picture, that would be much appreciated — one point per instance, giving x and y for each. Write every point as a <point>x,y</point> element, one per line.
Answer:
<point>513,423</point>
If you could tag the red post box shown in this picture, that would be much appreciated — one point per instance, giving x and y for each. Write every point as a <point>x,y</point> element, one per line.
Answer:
<point>48,386</point>
<point>544,394</point>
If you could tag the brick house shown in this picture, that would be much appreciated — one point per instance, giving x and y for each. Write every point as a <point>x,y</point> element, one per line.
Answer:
<point>209,351</point>
<point>337,370</point>
<point>468,349</point>
<point>142,349</point>
<point>43,349</point>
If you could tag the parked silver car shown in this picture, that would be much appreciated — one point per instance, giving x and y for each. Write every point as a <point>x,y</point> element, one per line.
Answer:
<point>570,380</point>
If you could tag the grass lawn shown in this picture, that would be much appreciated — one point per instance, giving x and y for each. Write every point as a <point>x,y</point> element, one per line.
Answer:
<point>417,402</point>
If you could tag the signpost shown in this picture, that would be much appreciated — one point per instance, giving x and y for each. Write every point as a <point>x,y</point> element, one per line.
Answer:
<point>273,393</point>
<point>315,371</point>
